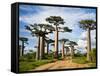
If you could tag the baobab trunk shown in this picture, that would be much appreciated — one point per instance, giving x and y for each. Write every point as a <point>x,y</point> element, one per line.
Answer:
<point>72,52</point>
<point>47,48</point>
<point>56,42</point>
<point>62,50</point>
<point>88,45</point>
<point>41,47</point>
<point>22,48</point>
<point>66,50</point>
<point>43,44</point>
<point>38,50</point>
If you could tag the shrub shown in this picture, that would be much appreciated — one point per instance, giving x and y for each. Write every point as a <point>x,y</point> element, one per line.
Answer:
<point>80,60</point>
<point>93,55</point>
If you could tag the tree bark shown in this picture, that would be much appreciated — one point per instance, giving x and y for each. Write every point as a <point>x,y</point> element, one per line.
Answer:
<point>62,49</point>
<point>43,44</point>
<point>88,45</point>
<point>41,47</point>
<point>47,48</point>
<point>22,48</point>
<point>56,42</point>
<point>72,51</point>
<point>38,49</point>
<point>41,53</point>
<point>66,50</point>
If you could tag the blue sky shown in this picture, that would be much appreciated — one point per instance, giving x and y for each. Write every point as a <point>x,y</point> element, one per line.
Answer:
<point>30,14</point>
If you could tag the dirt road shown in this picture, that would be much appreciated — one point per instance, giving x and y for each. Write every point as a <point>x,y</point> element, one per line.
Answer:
<point>63,64</point>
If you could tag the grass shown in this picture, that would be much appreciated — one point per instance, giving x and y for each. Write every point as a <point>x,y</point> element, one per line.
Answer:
<point>92,64</point>
<point>26,66</point>
<point>80,60</point>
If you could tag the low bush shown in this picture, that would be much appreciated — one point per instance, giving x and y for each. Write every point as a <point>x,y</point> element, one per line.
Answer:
<point>80,60</point>
<point>27,66</point>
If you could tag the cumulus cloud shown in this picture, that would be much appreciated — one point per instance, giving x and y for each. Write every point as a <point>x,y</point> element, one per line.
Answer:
<point>70,15</point>
<point>82,42</point>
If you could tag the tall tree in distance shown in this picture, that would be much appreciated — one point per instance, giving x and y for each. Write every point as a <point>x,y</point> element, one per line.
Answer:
<point>48,41</point>
<point>63,44</point>
<point>24,41</point>
<point>72,44</point>
<point>56,21</point>
<point>39,30</point>
<point>88,25</point>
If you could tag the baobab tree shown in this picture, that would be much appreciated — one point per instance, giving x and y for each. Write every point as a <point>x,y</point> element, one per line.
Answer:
<point>48,41</point>
<point>67,49</point>
<point>56,21</point>
<point>24,41</point>
<point>72,44</point>
<point>63,44</point>
<point>40,30</point>
<point>88,25</point>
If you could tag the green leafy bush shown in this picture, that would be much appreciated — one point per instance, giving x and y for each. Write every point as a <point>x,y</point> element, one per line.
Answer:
<point>93,55</point>
<point>27,66</point>
<point>80,60</point>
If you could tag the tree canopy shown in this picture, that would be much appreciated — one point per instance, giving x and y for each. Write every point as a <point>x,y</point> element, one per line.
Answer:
<point>91,24</point>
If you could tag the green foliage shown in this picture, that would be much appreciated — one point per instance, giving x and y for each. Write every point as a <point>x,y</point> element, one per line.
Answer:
<point>92,64</point>
<point>23,39</point>
<point>63,40</point>
<point>28,62</point>
<point>49,56</point>
<point>21,58</point>
<point>80,60</point>
<point>28,66</point>
<point>87,24</point>
<point>93,55</point>
<point>55,20</point>
<point>78,54</point>
<point>28,57</point>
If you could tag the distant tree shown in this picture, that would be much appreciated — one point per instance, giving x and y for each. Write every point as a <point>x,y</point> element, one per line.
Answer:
<point>24,41</point>
<point>67,49</point>
<point>72,44</point>
<point>48,41</point>
<point>56,21</point>
<point>63,44</point>
<point>40,30</point>
<point>88,25</point>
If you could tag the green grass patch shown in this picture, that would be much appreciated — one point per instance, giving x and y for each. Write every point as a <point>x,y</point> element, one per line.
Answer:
<point>92,64</point>
<point>26,66</point>
<point>80,60</point>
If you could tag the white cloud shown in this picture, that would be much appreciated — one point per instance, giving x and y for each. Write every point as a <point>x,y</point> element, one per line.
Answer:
<point>70,16</point>
<point>82,41</point>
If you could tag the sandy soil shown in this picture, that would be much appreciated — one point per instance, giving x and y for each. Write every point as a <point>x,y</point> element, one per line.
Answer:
<point>63,64</point>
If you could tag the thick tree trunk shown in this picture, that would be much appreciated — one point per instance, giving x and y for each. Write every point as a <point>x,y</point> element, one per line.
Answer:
<point>67,51</point>
<point>47,48</point>
<point>41,53</point>
<point>38,50</point>
<point>72,52</point>
<point>56,43</point>
<point>88,45</point>
<point>41,47</point>
<point>43,43</point>
<point>22,48</point>
<point>62,50</point>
